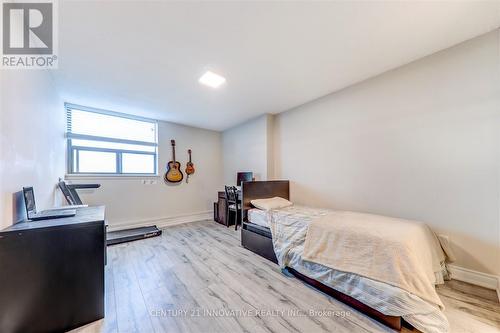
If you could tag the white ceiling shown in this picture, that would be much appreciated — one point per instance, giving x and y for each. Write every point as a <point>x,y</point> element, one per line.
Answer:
<point>145,58</point>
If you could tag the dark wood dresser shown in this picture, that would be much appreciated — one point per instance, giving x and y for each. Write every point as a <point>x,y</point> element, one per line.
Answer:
<point>52,273</point>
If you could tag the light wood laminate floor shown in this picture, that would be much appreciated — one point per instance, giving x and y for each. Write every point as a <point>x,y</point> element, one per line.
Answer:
<point>196,277</point>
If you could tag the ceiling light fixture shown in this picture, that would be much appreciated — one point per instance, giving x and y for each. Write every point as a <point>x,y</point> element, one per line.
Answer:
<point>211,79</point>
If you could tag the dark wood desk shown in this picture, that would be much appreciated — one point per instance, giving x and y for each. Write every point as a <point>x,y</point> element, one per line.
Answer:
<point>52,273</point>
<point>220,208</point>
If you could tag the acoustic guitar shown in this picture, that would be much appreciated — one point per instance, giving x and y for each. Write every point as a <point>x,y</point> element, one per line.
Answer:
<point>189,167</point>
<point>174,173</point>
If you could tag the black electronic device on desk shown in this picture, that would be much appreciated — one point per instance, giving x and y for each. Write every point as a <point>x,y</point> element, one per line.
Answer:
<point>33,215</point>
<point>243,177</point>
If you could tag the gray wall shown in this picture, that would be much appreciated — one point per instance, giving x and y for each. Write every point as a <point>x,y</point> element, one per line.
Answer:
<point>32,146</point>
<point>420,142</point>
<point>247,147</point>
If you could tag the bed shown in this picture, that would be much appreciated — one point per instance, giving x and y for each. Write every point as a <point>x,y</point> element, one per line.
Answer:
<point>393,306</point>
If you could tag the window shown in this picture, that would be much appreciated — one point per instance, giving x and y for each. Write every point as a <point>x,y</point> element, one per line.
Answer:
<point>104,142</point>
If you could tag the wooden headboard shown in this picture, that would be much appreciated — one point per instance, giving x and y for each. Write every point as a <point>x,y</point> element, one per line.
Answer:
<point>261,190</point>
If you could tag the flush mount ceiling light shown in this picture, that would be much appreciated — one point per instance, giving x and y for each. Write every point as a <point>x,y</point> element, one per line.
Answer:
<point>211,79</point>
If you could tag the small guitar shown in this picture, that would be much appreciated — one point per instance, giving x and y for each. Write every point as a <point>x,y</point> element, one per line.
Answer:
<point>174,173</point>
<point>189,167</point>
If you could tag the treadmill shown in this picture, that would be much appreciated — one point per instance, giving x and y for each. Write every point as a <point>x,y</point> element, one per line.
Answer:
<point>112,237</point>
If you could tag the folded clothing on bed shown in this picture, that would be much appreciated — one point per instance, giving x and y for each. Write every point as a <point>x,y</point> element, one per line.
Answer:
<point>402,253</point>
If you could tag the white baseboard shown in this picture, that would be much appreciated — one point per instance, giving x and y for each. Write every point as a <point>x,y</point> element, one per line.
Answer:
<point>474,277</point>
<point>164,221</point>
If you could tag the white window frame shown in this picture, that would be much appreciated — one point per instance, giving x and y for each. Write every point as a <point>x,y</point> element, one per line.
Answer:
<point>71,148</point>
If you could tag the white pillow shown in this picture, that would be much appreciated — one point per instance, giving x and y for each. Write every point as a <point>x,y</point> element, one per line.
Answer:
<point>271,203</point>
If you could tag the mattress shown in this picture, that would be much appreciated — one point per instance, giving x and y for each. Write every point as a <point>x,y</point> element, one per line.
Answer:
<point>263,217</point>
<point>259,217</point>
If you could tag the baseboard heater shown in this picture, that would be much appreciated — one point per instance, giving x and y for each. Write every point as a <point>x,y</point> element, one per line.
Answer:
<point>128,235</point>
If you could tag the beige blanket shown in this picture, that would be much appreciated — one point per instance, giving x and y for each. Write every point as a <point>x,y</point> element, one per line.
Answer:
<point>398,252</point>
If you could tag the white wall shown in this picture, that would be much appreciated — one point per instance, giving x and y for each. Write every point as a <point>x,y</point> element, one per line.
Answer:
<point>128,201</point>
<point>32,145</point>
<point>33,152</point>
<point>420,142</point>
<point>247,147</point>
